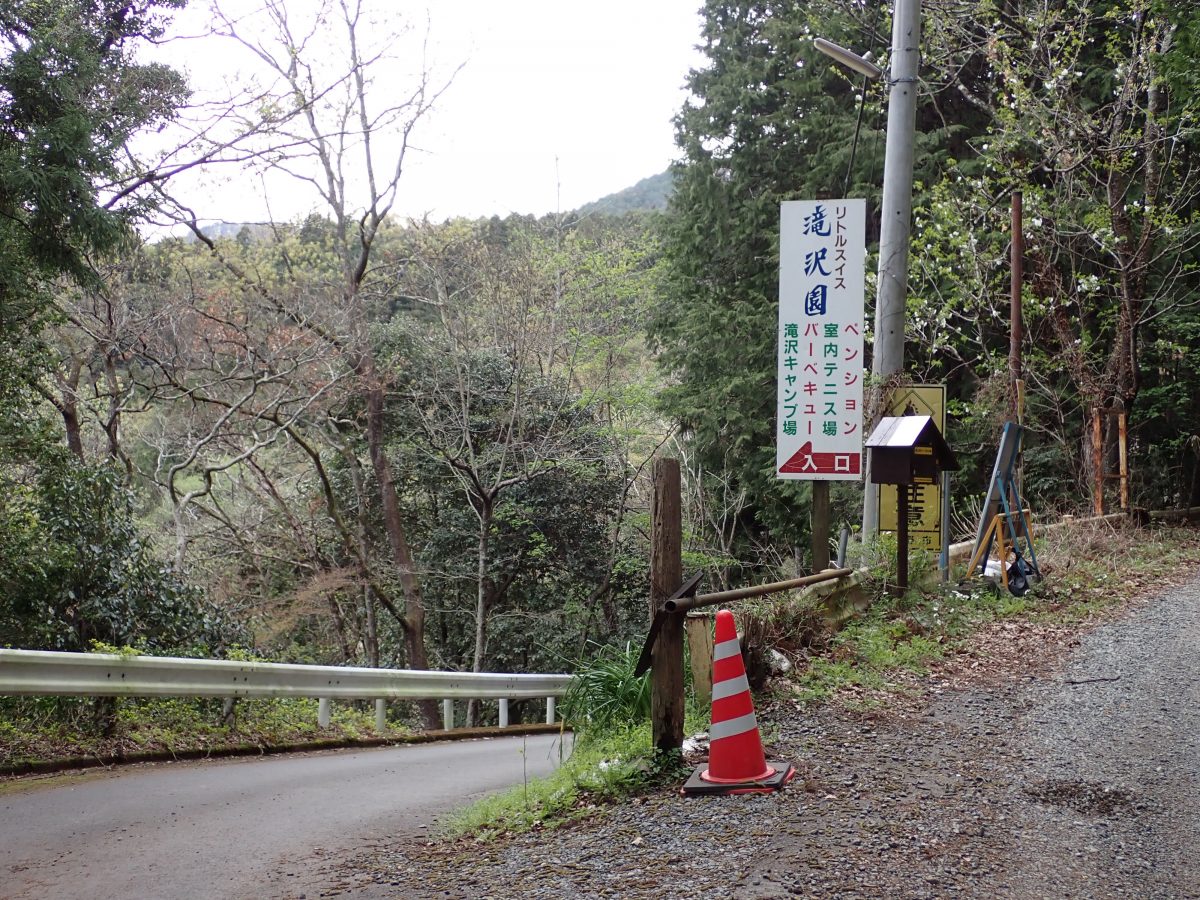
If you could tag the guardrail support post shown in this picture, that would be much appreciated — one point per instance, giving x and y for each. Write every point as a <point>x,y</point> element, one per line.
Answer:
<point>549,710</point>
<point>323,712</point>
<point>447,714</point>
<point>503,713</point>
<point>380,716</point>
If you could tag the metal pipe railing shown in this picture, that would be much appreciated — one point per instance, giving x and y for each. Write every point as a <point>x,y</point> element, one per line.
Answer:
<point>699,601</point>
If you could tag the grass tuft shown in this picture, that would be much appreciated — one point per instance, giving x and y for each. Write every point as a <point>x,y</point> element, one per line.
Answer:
<point>600,770</point>
<point>605,694</point>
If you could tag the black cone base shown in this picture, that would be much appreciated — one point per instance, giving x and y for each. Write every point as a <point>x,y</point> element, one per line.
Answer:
<point>696,786</point>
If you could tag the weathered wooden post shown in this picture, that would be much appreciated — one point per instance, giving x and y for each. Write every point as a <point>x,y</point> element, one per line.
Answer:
<point>820,525</point>
<point>902,538</point>
<point>666,575</point>
<point>699,627</point>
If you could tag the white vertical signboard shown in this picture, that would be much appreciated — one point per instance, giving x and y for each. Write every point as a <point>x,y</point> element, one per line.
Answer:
<point>822,255</point>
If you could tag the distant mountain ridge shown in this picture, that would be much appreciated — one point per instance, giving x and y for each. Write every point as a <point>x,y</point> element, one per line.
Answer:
<point>651,193</point>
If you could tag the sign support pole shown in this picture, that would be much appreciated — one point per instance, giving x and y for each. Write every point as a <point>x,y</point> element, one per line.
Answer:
<point>820,525</point>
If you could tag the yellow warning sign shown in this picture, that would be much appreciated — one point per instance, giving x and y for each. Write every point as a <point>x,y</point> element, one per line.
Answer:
<point>924,500</point>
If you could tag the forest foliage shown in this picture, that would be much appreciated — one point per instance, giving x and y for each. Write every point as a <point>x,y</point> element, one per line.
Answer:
<point>360,439</point>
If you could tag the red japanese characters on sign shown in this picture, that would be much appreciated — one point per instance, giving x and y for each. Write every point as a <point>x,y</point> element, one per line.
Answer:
<point>822,249</point>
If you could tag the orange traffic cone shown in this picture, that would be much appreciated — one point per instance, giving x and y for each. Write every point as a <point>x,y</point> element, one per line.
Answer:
<point>736,764</point>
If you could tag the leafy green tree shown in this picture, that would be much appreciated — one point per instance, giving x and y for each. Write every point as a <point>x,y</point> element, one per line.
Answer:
<point>75,569</point>
<point>511,372</point>
<point>71,97</point>
<point>513,521</point>
<point>1091,117</point>
<point>770,119</point>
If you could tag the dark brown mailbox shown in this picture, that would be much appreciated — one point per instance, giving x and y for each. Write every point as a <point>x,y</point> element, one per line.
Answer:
<point>908,449</point>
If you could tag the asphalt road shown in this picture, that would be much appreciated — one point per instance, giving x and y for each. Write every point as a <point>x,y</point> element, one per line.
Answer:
<point>242,828</point>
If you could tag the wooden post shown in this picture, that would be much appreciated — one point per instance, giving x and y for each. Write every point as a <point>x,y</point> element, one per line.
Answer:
<point>666,575</point>
<point>1002,549</point>
<point>820,526</point>
<point>902,537</point>
<point>1123,447</point>
<point>1098,462</point>
<point>700,650</point>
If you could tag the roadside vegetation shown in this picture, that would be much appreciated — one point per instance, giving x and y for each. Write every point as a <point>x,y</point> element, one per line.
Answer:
<point>608,710</point>
<point>1089,571</point>
<point>39,732</point>
<point>865,659</point>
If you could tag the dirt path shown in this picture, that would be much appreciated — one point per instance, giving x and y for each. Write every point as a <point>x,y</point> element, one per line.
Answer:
<point>1081,780</point>
<point>1015,774</point>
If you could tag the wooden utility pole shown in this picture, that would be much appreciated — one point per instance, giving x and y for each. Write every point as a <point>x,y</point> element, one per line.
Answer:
<point>666,575</point>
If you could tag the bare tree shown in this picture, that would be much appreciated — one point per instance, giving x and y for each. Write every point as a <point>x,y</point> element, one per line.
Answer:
<point>346,139</point>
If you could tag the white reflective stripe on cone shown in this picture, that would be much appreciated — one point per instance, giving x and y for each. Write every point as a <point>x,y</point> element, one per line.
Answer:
<point>726,649</point>
<point>731,727</point>
<point>730,687</point>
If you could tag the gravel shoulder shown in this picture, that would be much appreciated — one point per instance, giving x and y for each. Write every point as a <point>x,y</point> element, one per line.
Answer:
<point>1042,761</point>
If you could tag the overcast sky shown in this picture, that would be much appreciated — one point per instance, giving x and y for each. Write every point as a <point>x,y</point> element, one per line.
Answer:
<point>558,102</point>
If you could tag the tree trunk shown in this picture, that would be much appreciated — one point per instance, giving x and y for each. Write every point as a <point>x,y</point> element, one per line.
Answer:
<point>371,638</point>
<point>414,604</point>
<point>67,405</point>
<point>339,627</point>
<point>483,599</point>
<point>369,606</point>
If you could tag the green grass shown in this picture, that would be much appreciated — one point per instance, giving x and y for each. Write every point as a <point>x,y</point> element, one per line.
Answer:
<point>1090,571</point>
<point>600,770</point>
<point>605,693</point>
<point>1087,571</point>
<point>609,710</point>
<point>864,654</point>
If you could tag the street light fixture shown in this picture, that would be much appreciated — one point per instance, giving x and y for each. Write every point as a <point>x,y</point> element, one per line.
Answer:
<point>848,58</point>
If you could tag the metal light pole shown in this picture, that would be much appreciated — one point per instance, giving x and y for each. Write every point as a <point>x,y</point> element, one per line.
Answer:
<point>896,215</point>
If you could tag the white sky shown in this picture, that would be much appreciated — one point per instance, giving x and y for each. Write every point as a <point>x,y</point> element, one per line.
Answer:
<point>554,95</point>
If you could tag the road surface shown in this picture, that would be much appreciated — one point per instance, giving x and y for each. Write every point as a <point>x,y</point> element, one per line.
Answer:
<point>239,828</point>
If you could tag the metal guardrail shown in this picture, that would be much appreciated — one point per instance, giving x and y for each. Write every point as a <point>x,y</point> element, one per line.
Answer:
<point>47,673</point>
